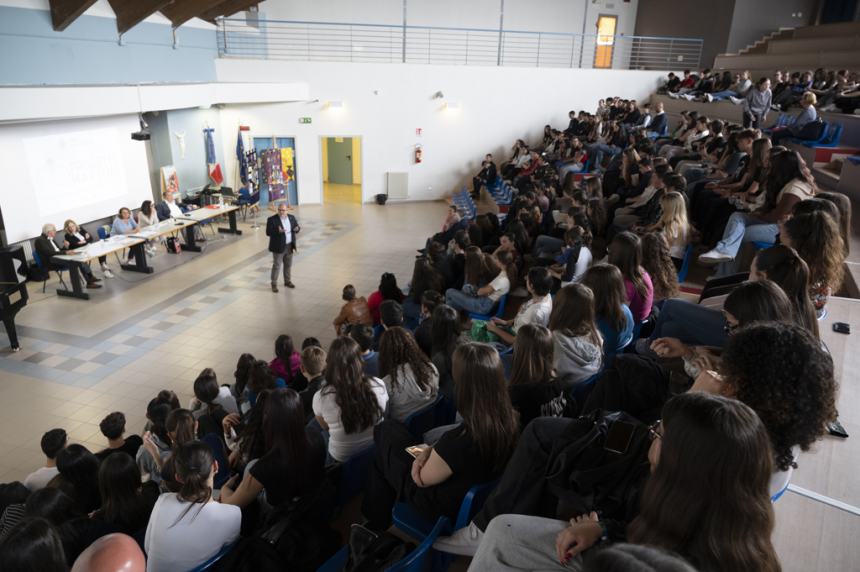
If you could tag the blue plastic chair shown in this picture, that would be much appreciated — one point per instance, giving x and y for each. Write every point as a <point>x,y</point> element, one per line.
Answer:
<point>814,142</point>
<point>500,311</point>
<point>38,260</point>
<point>432,416</point>
<point>830,138</point>
<point>422,559</point>
<point>103,233</point>
<point>685,264</point>
<point>761,245</point>
<point>407,520</point>
<point>354,474</point>
<point>211,562</point>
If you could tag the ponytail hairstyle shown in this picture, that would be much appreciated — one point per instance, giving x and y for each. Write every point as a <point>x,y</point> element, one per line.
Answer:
<point>182,427</point>
<point>783,266</point>
<point>206,389</point>
<point>345,377</point>
<point>195,467</point>
<point>625,252</point>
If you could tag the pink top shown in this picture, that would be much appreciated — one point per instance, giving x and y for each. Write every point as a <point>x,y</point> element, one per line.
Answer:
<point>640,307</point>
<point>280,369</point>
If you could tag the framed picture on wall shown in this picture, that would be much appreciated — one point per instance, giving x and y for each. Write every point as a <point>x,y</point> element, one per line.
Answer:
<point>169,179</point>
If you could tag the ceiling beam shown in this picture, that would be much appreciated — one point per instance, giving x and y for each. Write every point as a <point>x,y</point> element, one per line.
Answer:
<point>180,11</point>
<point>227,8</point>
<point>64,12</point>
<point>130,13</point>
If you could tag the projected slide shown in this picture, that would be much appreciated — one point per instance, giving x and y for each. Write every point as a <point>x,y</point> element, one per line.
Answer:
<point>75,169</point>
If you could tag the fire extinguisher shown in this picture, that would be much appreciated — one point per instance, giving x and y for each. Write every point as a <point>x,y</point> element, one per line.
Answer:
<point>418,154</point>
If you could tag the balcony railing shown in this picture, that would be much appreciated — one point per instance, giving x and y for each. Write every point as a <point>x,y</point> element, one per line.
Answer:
<point>377,43</point>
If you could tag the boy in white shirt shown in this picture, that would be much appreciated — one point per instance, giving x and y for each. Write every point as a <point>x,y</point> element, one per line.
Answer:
<point>52,443</point>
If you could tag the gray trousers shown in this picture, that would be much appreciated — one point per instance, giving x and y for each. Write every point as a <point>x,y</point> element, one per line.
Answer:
<point>284,259</point>
<point>516,542</point>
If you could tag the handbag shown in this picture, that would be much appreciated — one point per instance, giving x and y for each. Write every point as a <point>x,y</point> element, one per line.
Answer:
<point>374,552</point>
<point>173,246</point>
<point>812,131</point>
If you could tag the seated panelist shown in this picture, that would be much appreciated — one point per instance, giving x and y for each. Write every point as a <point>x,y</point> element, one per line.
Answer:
<point>77,237</point>
<point>170,207</point>
<point>47,249</point>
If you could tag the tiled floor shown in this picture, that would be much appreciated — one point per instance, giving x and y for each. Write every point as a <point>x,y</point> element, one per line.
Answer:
<point>82,360</point>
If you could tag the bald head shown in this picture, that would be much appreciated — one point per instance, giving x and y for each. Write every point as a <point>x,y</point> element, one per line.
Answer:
<point>111,553</point>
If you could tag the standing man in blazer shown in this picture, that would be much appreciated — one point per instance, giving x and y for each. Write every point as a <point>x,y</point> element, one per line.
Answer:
<point>282,228</point>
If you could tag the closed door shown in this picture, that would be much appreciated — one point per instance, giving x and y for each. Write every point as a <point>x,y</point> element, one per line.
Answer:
<point>340,160</point>
<point>605,41</point>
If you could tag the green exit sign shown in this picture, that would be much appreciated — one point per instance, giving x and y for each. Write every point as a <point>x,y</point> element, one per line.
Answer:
<point>305,120</point>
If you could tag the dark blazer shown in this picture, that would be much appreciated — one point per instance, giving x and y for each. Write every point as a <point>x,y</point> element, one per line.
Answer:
<point>658,123</point>
<point>163,211</point>
<point>277,239</point>
<point>45,250</point>
<point>74,242</point>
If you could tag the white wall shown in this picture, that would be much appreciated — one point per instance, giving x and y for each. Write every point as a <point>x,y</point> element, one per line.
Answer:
<point>498,105</point>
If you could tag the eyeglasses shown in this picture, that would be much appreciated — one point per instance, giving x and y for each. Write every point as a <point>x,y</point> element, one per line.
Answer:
<point>654,430</point>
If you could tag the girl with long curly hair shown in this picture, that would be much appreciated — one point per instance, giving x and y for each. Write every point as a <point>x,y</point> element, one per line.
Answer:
<point>349,404</point>
<point>658,262</point>
<point>410,378</point>
<point>816,238</point>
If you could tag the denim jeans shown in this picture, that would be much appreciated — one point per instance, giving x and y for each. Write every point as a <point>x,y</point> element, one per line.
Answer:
<point>598,149</point>
<point>691,323</point>
<point>721,95</point>
<point>548,245</point>
<point>742,227</point>
<point>462,300</point>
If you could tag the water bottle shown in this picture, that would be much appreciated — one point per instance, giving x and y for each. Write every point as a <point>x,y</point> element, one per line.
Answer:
<point>220,201</point>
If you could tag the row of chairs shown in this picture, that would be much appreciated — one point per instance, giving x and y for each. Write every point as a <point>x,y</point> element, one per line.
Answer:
<point>463,201</point>
<point>831,135</point>
<point>501,191</point>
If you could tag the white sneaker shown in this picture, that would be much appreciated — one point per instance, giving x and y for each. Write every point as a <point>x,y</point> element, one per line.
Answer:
<point>714,256</point>
<point>689,97</point>
<point>107,273</point>
<point>463,542</point>
<point>709,98</point>
<point>736,100</point>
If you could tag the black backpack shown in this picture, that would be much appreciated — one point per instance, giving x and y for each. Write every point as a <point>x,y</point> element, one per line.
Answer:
<point>374,552</point>
<point>594,466</point>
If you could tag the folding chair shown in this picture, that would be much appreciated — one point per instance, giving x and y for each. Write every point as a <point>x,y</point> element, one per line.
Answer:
<point>38,260</point>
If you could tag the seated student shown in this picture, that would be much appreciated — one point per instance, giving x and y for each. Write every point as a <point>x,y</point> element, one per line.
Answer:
<point>189,527</point>
<point>423,333</point>
<point>206,406</point>
<point>388,290</point>
<point>447,334</point>
<point>424,277</point>
<point>354,312</point>
<point>52,442</point>
<point>349,403</point>
<point>534,389</point>
<point>207,393</point>
<point>614,319</point>
<point>170,207</point>
<point>260,378</point>
<point>181,428</point>
<point>660,266</point>
<point>78,237</point>
<point>633,205</point>
<point>482,300</point>
<point>113,428</point>
<point>578,346</point>
<point>536,310</point>
<point>150,459</point>
<point>625,252</point>
<point>807,115</point>
<point>410,377</point>
<point>816,238</point>
<point>673,225</point>
<point>124,223</point>
<point>286,362</point>
<point>294,457</point>
<point>35,545</point>
<point>486,176</point>
<point>576,257</point>
<point>313,368</point>
<point>47,249</point>
<point>789,181</point>
<point>390,315</point>
<point>363,336</point>
<point>659,123</point>
<point>475,452</point>
<point>126,502</point>
<point>698,435</point>
<point>78,477</point>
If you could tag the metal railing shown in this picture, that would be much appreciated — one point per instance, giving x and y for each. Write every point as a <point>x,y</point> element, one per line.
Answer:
<point>378,43</point>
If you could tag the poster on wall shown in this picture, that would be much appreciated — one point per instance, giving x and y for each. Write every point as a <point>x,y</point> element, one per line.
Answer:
<point>169,179</point>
